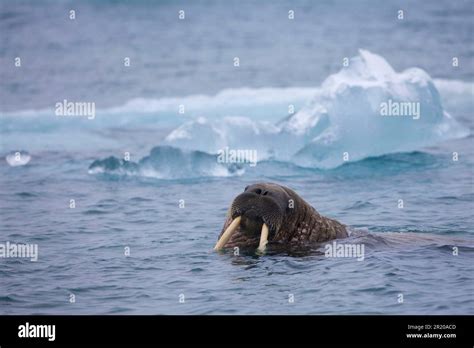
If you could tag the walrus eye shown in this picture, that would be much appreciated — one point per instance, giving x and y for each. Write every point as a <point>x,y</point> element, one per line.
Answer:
<point>245,189</point>
<point>265,193</point>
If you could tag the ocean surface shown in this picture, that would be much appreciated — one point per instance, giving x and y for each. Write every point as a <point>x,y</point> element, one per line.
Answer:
<point>181,100</point>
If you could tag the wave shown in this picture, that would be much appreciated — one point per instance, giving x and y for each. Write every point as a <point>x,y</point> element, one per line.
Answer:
<point>165,162</point>
<point>168,163</point>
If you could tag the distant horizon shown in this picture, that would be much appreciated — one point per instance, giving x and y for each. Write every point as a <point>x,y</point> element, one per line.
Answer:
<point>196,54</point>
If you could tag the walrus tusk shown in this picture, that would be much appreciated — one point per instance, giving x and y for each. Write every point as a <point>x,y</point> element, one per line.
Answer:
<point>263,238</point>
<point>228,233</point>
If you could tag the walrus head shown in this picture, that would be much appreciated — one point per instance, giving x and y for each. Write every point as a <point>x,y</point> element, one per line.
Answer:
<point>267,212</point>
<point>257,215</point>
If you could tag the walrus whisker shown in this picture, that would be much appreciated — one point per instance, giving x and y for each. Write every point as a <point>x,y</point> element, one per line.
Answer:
<point>263,238</point>
<point>228,233</point>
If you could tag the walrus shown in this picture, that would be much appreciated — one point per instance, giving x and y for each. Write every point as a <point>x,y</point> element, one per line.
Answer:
<point>271,213</point>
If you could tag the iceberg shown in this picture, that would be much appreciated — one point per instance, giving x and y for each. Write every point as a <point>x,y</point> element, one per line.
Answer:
<point>366,109</point>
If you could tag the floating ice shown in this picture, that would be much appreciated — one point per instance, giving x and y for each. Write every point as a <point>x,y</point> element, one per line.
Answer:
<point>18,158</point>
<point>366,109</point>
<point>352,116</point>
<point>231,132</point>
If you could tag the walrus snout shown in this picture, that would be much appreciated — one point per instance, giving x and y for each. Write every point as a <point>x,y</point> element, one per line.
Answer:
<point>251,223</point>
<point>258,212</point>
<point>256,209</point>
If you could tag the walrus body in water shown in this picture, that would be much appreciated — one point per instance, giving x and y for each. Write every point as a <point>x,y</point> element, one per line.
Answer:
<point>271,213</point>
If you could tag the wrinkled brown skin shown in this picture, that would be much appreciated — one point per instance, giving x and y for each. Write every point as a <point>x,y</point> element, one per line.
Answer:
<point>297,227</point>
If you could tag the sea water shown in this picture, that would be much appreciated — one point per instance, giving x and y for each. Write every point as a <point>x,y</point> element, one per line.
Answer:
<point>126,207</point>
